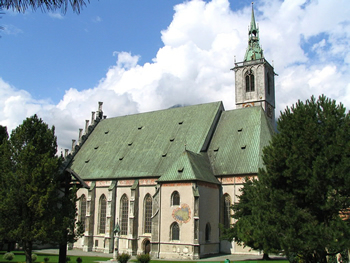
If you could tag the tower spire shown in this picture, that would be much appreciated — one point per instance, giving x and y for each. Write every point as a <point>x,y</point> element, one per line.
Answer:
<point>252,22</point>
<point>255,77</point>
<point>254,50</point>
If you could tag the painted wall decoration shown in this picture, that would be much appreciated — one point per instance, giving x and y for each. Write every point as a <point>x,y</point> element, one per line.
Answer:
<point>182,214</point>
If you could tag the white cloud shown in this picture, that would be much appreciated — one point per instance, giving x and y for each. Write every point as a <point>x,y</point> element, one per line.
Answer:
<point>56,15</point>
<point>11,30</point>
<point>194,64</point>
<point>97,19</point>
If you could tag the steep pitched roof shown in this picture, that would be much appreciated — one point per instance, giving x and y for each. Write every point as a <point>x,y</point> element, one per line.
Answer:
<point>236,147</point>
<point>146,144</point>
<point>190,166</point>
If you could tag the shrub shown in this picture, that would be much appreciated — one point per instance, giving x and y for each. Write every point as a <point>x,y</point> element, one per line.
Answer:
<point>67,259</point>
<point>79,260</point>
<point>46,260</point>
<point>9,256</point>
<point>123,258</point>
<point>34,257</point>
<point>143,258</point>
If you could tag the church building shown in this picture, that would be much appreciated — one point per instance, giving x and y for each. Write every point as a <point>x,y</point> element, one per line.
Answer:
<point>161,182</point>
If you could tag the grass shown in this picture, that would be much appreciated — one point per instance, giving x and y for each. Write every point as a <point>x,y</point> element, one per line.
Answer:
<point>20,258</point>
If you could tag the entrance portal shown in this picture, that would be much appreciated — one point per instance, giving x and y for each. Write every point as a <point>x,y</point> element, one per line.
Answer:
<point>146,246</point>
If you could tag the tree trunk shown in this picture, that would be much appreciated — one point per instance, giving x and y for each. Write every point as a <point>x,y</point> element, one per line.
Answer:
<point>62,254</point>
<point>320,257</point>
<point>28,251</point>
<point>63,246</point>
<point>266,256</point>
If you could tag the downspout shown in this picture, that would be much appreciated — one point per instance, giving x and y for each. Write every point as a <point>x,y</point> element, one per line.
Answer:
<point>234,201</point>
<point>159,222</point>
<point>116,216</point>
<point>220,195</point>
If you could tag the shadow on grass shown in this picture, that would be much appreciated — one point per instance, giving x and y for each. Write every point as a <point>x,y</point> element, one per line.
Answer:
<point>20,257</point>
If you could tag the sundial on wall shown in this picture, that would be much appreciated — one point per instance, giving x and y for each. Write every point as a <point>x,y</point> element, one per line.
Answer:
<point>182,214</point>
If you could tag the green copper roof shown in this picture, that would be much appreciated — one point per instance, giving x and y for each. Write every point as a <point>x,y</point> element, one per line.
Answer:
<point>236,147</point>
<point>190,166</point>
<point>146,144</point>
<point>254,50</point>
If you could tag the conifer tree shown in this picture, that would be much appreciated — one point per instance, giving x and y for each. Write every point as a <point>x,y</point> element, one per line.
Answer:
<point>34,208</point>
<point>5,168</point>
<point>33,194</point>
<point>45,5</point>
<point>300,203</point>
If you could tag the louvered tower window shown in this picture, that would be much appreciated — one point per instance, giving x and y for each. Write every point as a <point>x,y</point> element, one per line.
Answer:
<point>147,204</point>
<point>249,82</point>
<point>124,208</point>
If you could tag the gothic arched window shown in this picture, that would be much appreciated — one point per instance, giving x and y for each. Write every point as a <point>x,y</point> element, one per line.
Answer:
<point>207,232</point>
<point>175,231</point>
<point>147,206</point>
<point>226,207</point>
<point>175,198</point>
<point>82,215</point>
<point>124,208</point>
<point>102,215</point>
<point>249,81</point>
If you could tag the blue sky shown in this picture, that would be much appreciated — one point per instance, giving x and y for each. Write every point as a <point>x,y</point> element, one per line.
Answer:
<point>53,51</point>
<point>139,56</point>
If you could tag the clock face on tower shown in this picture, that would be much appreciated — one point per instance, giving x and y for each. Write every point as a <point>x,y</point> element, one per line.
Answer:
<point>246,105</point>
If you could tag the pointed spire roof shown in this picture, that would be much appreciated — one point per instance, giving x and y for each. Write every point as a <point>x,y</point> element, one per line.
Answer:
<point>252,23</point>
<point>254,50</point>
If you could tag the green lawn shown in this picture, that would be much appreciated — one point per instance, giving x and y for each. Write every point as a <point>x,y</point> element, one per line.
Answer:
<point>20,258</point>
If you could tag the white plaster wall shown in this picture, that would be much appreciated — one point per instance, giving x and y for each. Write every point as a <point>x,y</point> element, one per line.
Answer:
<point>186,197</point>
<point>176,251</point>
<point>209,204</point>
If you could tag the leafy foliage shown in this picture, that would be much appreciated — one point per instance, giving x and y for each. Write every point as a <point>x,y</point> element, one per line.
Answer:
<point>44,5</point>
<point>5,180</point>
<point>123,258</point>
<point>143,258</point>
<point>33,208</point>
<point>3,134</point>
<point>9,256</point>
<point>300,203</point>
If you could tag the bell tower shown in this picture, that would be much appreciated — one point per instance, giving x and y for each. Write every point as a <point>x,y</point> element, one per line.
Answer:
<point>255,77</point>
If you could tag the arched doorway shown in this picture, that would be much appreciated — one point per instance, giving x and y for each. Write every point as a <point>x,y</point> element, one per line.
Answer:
<point>146,246</point>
